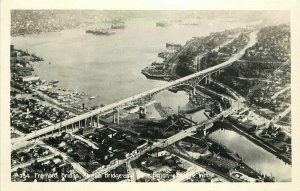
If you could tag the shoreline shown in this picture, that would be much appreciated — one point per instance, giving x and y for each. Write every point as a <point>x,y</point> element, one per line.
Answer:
<point>264,145</point>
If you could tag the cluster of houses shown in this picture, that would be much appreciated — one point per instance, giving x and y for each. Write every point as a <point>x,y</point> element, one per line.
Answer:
<point>35,22</point>
<point>50,170</point>
<point>20,62</point>
<point>23,79</point>
<point>203,176</point>
<point>199,46</point>
<point>162,165</point>
<point>28,114</point>
<point>23,156</point>
<point>279,136</point>
<point>223,53</point>
<point>62,95</point>
<point>98,148</point>
<point>233,47</point>
<point>273,45</point>
<point>265,98</point>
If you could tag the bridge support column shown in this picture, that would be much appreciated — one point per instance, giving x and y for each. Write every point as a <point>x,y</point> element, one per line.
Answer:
<point>194,90</point>
<point>97,120</point>
<point>204,131</point>
<point>116,116</point>
<point>92,121</point>
<point>205,80</point>
<point>72,127</point>
<point>142,111</point>
<point>79,124</point>
<point>85,122</point>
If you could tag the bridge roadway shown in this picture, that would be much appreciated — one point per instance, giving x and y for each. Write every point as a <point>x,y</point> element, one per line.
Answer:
<point>164,143</point>
<point>132,99</point>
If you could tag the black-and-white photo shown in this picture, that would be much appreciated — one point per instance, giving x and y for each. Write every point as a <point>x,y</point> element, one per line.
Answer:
<point>150,96</point>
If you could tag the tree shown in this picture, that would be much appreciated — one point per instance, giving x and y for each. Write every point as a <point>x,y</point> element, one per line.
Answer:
<point>81,131</point>
<point>281,136</point>
<point>87,158</point>
<point>19,171</point>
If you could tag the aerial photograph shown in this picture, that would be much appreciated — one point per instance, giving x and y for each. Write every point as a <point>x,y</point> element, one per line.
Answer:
<point>150,96</point>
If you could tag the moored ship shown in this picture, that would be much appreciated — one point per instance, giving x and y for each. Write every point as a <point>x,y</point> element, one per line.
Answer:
<point>101,31</point>
<point>162,24</point>
<point>118,26</point>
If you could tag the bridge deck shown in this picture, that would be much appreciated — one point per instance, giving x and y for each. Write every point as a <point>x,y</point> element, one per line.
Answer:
<point>118,104</point>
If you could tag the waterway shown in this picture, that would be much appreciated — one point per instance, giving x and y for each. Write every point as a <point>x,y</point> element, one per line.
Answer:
<point>181,100</point>
<point>253,155</point>
<point>109,67</point>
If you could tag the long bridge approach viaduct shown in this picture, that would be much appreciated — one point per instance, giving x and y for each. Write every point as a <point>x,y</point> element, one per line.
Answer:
<point>139,99</point>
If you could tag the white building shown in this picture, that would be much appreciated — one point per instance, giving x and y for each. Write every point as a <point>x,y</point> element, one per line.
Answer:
<point>30,78</point>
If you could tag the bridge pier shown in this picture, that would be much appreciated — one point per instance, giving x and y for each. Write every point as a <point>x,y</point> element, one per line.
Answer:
<point>92,121</point>
<point>97,120</point>
<point>116,116</point>
<point>143,111</point>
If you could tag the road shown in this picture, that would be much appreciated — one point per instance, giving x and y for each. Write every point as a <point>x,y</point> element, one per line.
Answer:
<point>287,129</point>
<point>74,164</point>
<point>126,101</point>
<point>280,92</point>
<point>91,144</point>
<point>162,143</point>
<point>227,177</point>
<point>14,168</point>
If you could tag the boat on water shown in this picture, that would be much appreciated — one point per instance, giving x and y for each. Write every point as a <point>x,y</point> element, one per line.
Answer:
<point>172,45</point>
<point>101,31</point>
<point>162,24</point>
<point>118,26</point>
<point>92,97</point>
<point>53,81</point>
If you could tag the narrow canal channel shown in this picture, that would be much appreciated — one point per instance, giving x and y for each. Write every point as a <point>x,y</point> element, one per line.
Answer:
<point>253,155</point>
